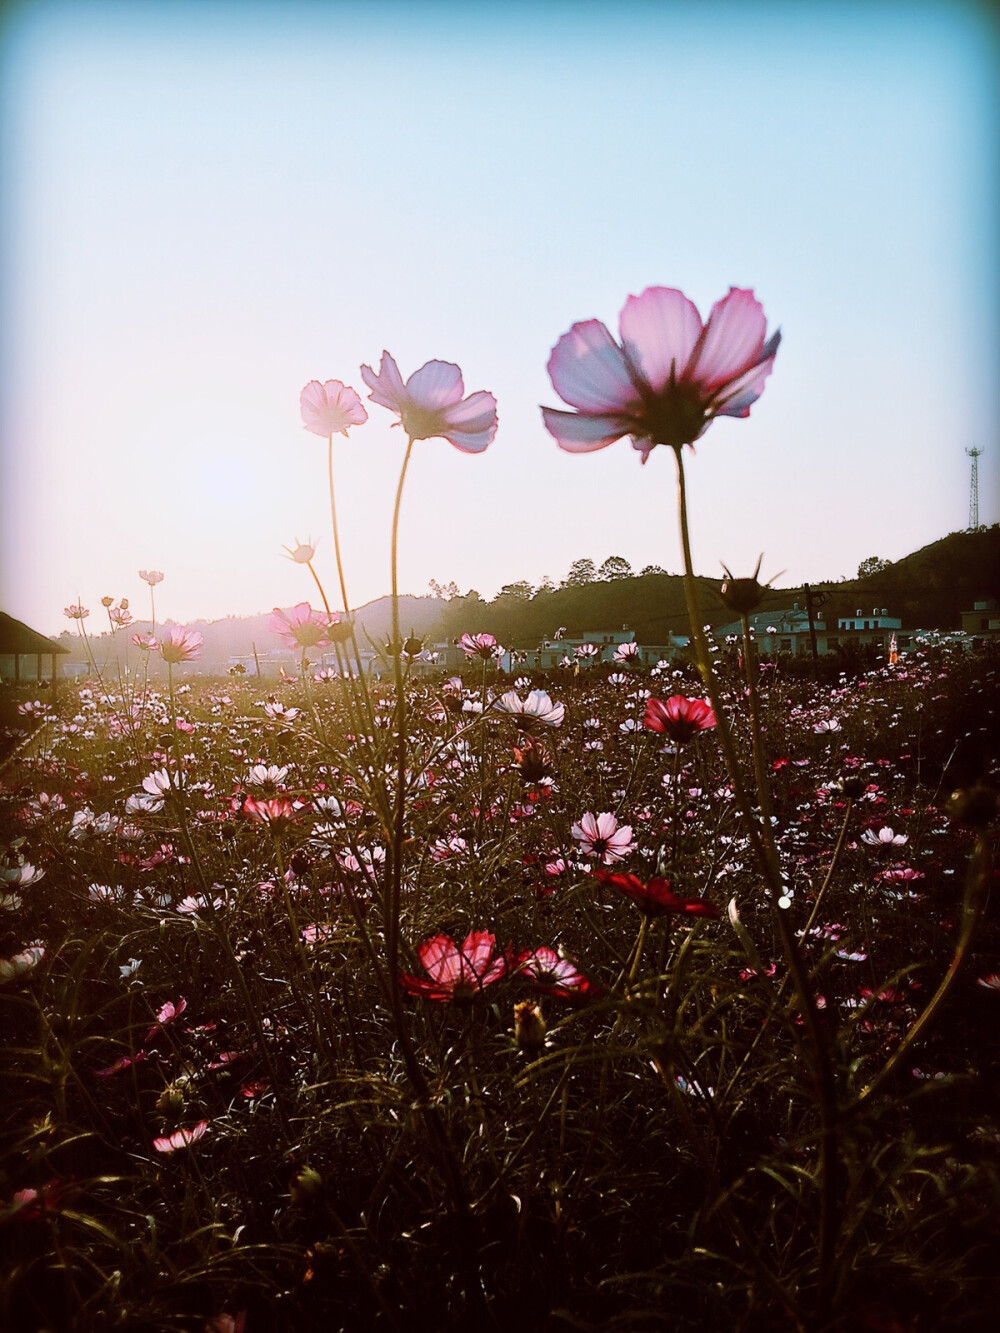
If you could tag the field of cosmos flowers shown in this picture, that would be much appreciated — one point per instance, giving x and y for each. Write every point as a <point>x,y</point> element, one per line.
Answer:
<point>607,998</point>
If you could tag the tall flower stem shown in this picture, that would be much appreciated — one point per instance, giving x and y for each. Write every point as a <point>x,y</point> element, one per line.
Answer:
<point>761,838</point>
<point>340,566</point>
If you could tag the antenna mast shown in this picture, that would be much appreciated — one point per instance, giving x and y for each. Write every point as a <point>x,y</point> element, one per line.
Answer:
<point>974,490</point>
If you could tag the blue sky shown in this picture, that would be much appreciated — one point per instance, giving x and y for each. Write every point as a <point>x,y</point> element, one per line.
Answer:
<point>207,205</point>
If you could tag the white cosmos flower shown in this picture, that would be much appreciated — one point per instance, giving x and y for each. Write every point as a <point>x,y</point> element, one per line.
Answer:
<point>537,708</point>
<point>885,837</point>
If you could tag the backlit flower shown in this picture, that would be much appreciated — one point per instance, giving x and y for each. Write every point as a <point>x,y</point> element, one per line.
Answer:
<point>601,836</point>
<point>667,380</point>
<point>331,408</point>
<point>538,709</point>
<point>678,718</point>
<point>151,576</point>
<point>885,837</point>
<point>553,975</point>
<point>480,645</point>
<point>76,612</point>
<point>655,897</point>
<point>181,645</point>
<point>181,1138</point>
<point>456,972</point>
<point>301,627</point>
<point>430,404</point>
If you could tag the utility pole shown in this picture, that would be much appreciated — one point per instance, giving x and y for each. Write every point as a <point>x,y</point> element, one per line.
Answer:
<point>814,599</point>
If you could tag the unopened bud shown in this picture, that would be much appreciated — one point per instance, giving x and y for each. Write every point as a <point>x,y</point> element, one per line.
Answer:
<point>306,1186</point>
<point>529,1026</point>
<point>170,1102</point>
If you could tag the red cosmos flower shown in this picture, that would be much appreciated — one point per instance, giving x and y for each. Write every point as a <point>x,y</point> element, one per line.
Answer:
<point>456,972</point>
<point>277,813</point>
<point>679,718</point>
<point>667,380</point>
<point>655,897</point>
<point>553,975</point>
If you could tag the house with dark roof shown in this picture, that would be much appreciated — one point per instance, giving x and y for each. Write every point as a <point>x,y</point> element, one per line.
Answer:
<point>22,650</point>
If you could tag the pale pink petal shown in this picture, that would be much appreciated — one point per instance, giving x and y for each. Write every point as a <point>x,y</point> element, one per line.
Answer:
<point>471,425</point>
<point>732,342</point>
<point>589,370</point>
<point>387,386</point>
<point>437,384</point>
<point>735,399</point>
<point>583,434</point>
<point>659,330</point>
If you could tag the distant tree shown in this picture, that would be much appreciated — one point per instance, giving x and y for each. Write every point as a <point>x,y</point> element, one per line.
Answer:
<point>651,569</point>
<point>580,572</point>
<point>443,591</point>
<point>547,584</point>
<point>615,567</point>
<point>873,565</point>
<point>522,590</point>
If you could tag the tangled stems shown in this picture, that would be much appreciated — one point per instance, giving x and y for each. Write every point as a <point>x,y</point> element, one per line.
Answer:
<point>761,838</point>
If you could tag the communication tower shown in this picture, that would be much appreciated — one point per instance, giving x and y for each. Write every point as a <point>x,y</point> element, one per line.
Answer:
<point>974,490</point>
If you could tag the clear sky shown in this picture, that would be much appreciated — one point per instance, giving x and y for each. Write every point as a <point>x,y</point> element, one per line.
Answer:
<point>207,205</point>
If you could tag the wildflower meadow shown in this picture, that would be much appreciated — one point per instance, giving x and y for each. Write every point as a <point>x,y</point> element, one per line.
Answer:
<point>606,997</point>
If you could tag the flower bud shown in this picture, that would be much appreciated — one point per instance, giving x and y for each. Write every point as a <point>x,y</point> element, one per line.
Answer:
<point>306,1186</point>
<point>170,1102</point>
<point>743,595</point>
<point>529,1026</point>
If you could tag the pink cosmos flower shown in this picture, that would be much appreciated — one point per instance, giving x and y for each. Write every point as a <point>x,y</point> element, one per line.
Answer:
<point>678,718</point>
<point>76,612</point>
<point>601,835</point>
<point>655,897</point>
<point>181,645</point>
<point>480,645</point>
<point>430,404</point>
<point>456,972</point>
<point>667,380</point>
<point>885,837</point>
<point>553,975</point>
<point>330,408</point>
<point>145,641</point>
<point>181,1138</point>
<point>151,576</point>
<point>301,627</point>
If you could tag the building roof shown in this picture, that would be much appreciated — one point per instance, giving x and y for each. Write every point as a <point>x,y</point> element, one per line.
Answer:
<point>16,638</point>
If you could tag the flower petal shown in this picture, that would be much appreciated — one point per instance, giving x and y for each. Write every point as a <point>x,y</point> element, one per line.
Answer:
<point>471,424</point>
<point>435,385</point>
<point>732,341</point>
<point>579,434</point>
<point>659,330</point>
<point>736,397</point>
<point>589,370</point>
<point>387,386</point>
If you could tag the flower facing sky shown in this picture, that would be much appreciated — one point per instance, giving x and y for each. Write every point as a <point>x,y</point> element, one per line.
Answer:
<point>456,972</point>
<point>431,404</point>
<point>151,576</point>
<point>331,408</point>
<point>679,718</point>
<point>602,836</point>
<point>669,377</point>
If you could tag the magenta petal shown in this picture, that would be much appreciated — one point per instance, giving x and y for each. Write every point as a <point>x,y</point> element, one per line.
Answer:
<point>435,385</point>
<point>580,434</point>
<point>733,339</point>
<point>589,370</point>
<point>659,330</point>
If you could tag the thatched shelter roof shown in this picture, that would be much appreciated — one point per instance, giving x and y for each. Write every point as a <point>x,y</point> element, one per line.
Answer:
<point>17,639</point>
